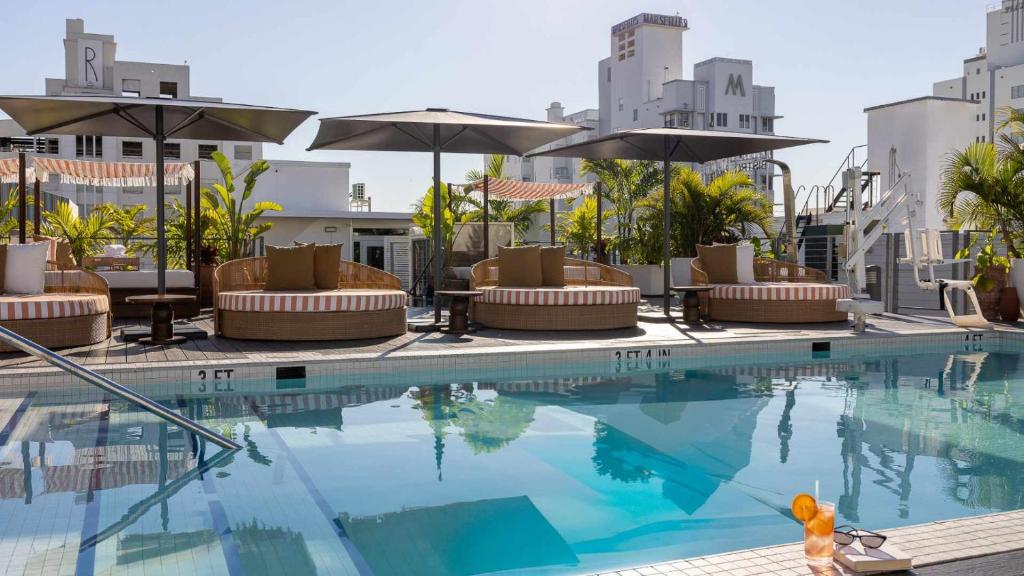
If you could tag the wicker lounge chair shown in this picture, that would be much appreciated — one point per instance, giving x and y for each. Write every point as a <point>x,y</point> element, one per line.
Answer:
<point>368,303</point>
<point>74,310</point>
<point>595,297</point>
<point>784,293</point>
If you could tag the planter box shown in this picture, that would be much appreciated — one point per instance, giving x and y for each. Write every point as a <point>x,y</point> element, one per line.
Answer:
<point>646,277</point>
<point>1017,278</point>
<point>681,274</point>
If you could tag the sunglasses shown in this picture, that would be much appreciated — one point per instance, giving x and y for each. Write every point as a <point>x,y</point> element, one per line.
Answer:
<point>846,535</point>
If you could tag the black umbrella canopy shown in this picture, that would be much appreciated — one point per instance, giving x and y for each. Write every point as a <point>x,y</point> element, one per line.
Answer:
<point>438,130</point>
<point>132,117</point>
<point>460,132</point>
<point>156,118</point>
<point>683,145</point>
<point>674,145</point>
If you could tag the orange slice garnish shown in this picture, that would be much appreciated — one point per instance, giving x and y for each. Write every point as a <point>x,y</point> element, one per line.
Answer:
<point>804,507</point>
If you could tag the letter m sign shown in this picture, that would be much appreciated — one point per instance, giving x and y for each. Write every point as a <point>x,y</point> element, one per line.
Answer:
<point>735,86</point>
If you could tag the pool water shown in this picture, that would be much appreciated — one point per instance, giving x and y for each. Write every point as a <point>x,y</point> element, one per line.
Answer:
<point>599,470</point>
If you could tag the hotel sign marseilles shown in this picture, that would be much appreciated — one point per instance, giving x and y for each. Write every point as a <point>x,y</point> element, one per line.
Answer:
<point>656,19</point>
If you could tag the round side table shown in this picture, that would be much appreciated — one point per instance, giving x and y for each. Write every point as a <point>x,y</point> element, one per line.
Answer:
<point>458,309</point>
<point>691,301</point>
<point>162,318</point>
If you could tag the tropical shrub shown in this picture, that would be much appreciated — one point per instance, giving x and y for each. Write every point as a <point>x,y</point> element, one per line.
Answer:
<point>577,229</point>
<point>130,227</point>
<point>229,225</point>
<point>423,216</point>
<point>625,184</point>
<point>86,236</point>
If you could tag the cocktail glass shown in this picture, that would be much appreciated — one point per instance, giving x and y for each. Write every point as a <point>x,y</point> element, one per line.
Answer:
<point>818,535</point>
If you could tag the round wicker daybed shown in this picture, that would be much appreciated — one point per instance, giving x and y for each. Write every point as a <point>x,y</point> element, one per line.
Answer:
<point>785,293</point>
<point>595,297</point>
<point>368,303</point>
<point>74,311</point>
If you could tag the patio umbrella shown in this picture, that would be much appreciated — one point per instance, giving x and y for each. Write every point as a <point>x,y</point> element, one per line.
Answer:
<point>674,145</point>
<point>438,130</point>
<point>156,118</point>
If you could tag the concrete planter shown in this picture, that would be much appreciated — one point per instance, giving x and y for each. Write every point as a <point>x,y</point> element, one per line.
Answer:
<point>646,277</point>
<point>681,275</point>
<point>1017,277</point>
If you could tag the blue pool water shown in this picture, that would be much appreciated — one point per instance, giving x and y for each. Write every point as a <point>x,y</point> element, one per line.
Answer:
<point>599,469</point>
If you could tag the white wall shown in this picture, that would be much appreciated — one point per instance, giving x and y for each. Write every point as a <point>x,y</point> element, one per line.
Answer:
<point>924,131</point>
<point>306,188</point>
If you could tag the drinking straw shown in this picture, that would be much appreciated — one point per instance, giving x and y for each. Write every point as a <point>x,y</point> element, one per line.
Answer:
<point>816,485</point>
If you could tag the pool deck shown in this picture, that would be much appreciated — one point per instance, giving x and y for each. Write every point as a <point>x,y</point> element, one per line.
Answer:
<point>988,544</point>
<point>653,330</point>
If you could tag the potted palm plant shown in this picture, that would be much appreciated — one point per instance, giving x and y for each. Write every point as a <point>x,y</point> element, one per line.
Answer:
<point>85,236</point>
<point>990,275</point>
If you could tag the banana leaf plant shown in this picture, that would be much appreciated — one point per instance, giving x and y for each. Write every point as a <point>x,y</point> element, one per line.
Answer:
<point>231,226</point>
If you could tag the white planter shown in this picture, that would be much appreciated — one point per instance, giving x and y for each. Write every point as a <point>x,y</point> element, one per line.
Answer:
<point>646,277</point>
<point>1017,278</point>
<point>681,275</point>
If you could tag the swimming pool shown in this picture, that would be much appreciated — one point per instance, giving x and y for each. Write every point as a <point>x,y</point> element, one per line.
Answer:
<point>596,468</point>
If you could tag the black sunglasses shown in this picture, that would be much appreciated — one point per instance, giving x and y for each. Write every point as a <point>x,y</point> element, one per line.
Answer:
<point>845,535</point>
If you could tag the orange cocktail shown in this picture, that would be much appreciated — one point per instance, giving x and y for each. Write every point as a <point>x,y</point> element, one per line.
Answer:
<point>818,535</point>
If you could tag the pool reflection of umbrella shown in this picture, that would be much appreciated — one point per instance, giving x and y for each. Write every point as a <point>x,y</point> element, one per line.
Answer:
<point>156,118</point>
<point>438,130</point>
<point>669,145</point>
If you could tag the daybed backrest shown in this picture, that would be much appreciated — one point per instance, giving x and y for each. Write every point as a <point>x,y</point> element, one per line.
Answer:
<point>74,281</point>
<point>251,274</point>
<point>767,270</point>
<point>577,273</point>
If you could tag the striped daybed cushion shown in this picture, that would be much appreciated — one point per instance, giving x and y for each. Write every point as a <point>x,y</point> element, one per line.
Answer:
<point>311,301</point>
<point>780,291</point>
<point>567,296</point>
<point>51,305</point>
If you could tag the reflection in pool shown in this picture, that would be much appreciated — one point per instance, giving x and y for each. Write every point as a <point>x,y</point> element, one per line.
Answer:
<point>530,475</point>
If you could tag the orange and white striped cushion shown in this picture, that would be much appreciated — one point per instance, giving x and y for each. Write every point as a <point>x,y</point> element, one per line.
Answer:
<point>312,301</point>
<point>568,296</point>
<point>52,305</point>
<point>780,291</point>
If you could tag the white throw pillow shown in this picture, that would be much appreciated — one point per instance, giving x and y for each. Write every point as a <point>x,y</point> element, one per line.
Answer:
<point>745,263</point>
<point>114,250</point>
<point>25,271</point>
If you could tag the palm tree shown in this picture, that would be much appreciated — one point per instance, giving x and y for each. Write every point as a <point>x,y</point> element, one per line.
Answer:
<point>9,213</point>
<point>86,236</point>
<point>232,226</point>
<point>625,184</point>
<point>727,209</point>
<point>577,230</point>
<point>129,224</point>
<point>423,216</point>
<point>984,191</point>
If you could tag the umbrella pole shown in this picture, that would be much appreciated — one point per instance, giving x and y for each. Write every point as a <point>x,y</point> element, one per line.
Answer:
<point>667,247</point>
<point>600,223</point>
<point>551,206</point>
<point>21,197</point>
<point>487,219</point>
<point>438,208</point>
<point>197,230</point>
<point>37,208</point>
<point>161,241</point>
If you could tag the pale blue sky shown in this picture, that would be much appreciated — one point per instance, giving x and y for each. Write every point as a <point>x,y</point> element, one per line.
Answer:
<point>828,59</point>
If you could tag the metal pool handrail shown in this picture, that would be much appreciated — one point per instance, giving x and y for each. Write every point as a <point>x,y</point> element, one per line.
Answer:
<point>104,383</point>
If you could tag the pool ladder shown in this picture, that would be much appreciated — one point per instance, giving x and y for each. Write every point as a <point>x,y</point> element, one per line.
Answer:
<point>108,385</point>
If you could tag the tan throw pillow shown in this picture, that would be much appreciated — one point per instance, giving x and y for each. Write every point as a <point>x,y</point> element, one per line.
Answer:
<point>3,266</point>
<point>291,268</point>
<point>327,265</point>
<point>519,266</point>
<point>552,265</point>
<point>719,263</point>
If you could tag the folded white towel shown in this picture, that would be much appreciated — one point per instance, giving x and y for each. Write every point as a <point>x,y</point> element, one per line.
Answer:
<point>114,250</point>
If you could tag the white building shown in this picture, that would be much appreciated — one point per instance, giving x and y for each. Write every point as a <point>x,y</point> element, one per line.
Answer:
<point>641,85</point>
<point>314,195</point>
<point>960,111</point>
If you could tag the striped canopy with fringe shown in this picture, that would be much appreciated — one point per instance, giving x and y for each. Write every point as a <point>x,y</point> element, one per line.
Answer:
<point>517,190</point>
<point>9,171</point>
<point>112,173</point>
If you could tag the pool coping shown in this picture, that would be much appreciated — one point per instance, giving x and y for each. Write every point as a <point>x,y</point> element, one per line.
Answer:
<point>931,543</point>
<point>463,362</point>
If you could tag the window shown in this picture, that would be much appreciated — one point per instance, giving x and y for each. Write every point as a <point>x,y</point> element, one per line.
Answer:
<point>620,104</point>
<point>984,116</point>
<point>721,119</point>
<point>630,53</point>
<point>206,151</point>
<point>744,120</point>
<point>30,144</point>
<point>89,146</point>
<point>978,71</point>
<point>635,115</point>
<point>168,89</point>
<point>131,149</point>
<point>88,197</point>
<point>766,124</point>
<point>172,150</point>
<point>1017,91</point>
<point>983,92</point>
<point>130,87</point>
<point>561,172</point>
<point>608,74</point>
<point>684,120</point>
<point>243,152</point>
<point>133,190</point>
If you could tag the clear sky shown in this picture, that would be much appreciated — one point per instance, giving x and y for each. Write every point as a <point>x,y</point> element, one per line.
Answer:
<point>828,59</point>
